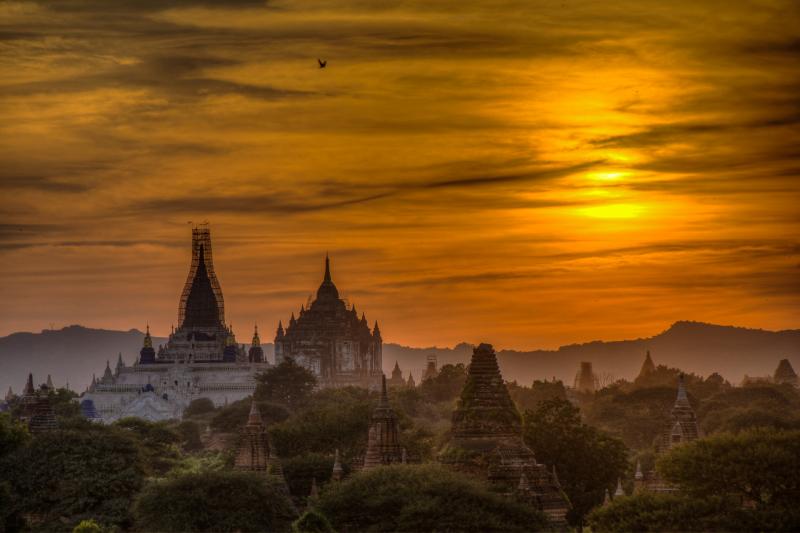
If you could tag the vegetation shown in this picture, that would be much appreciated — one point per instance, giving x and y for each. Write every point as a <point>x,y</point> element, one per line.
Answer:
<point>421,498</point>
<point>588,461</point>
<point>214,501</point>
<point>200,406</point>
<point>62,477</point>
<point>287,383</point>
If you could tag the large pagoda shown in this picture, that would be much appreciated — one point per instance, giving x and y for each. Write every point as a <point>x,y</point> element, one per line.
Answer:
<point>383,445</point>
<point>332,341</point>
<point>487,440</point>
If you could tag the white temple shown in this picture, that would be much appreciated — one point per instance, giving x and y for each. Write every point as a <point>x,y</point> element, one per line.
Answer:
<point>200,360</point>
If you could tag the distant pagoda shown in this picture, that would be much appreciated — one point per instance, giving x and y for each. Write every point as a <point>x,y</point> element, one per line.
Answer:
<point>397,380</point>
<point>648,367</point>
<point>383,445</point>
<point>331,340</point>
<point>785,373</point>
<point>254,452</point>
<point>679,428</point>
<point>487,440</point>
<point>37,411</point>
<point>585,380</point>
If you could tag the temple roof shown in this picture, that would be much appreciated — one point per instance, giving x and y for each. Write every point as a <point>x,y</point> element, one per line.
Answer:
<point>201,303</point>
<point>327,290</point>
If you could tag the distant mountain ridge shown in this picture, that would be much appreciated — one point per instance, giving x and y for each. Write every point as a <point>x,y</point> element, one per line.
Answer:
<point>74,353</point>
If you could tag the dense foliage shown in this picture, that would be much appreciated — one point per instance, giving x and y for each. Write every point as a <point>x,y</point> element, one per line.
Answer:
<point>62,477</point>
<point>214,501</point>
<point>588,461</point>
<point>286,383</point>
<point>421,498</point>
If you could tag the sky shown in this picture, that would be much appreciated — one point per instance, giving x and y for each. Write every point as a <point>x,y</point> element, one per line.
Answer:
<point>524,173</point>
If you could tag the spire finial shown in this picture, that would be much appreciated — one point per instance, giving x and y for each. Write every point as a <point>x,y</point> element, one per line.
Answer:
<point>619,491</point>
<point>29,390</point>
<point>327,267</point>
<point>682,389</point>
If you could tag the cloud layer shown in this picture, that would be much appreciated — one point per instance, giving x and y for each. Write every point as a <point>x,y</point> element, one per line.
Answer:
<point>525,173</point>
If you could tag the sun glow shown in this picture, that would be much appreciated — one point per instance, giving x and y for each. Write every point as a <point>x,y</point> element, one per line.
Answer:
<point>613,211</point>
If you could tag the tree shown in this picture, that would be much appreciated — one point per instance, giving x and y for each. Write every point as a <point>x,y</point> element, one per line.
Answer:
<point>301,469</point>
<point>88,526</point>
<point>312,521</point>
<point>214,501</point>
<point>662,512</point>
<point>199,406</point>
<point>588,461</point>
<point>190,436</point>
<point>761,467</point>
<point>232,417</point>
<point>422,498</point>
<point>286,383</point>
<point>333,418</point>
<point>530,397</point>
<point>157,440</point>
<point>64,476</point>
<point>446,385</point>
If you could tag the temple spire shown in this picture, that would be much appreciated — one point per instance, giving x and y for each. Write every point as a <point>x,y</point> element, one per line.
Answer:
<point>384,396</point>
<point>619,491</point>
<point>50,382</point>
<point>254,418</point>
<point>682,397</point>
<point>337,468</point>
<point>29,390</point>
<point>256,339</point>
<point>327,268</point>
<point>148,340</point>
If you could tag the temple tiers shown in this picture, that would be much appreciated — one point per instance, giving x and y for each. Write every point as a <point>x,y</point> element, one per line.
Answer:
<point>785,373</point>
<point>648,366</point>
<point>679,428</point>
<point>487,440</point>
<point>585,380</point>
<point>254,450</point>
<point>37,411</point>
<point>397,380</point>
<point>200,359</point>
<point>383,445</point>
<point>332,341</point>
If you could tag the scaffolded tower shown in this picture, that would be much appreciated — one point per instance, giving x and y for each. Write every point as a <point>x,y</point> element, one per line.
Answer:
<point>201,280</point>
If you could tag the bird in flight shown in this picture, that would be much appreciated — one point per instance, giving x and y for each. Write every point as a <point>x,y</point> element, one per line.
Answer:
<point>322,64</point>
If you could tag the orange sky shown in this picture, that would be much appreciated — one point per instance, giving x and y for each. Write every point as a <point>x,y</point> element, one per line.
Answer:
<point>524,173</point>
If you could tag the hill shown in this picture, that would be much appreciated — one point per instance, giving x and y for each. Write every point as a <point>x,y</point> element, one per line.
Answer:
<point>74,353</point>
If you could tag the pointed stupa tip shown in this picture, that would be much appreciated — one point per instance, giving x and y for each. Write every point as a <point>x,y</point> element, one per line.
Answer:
<point>29,385</point>
<point>638,475</point>
<point>256,339</point>
<point>396,365</point>
<point>327,267</point>
<point>619,491</point>
<point>682,389</point>
<point>254,418</point>
<point>376,330</point>
<point>49,382</point>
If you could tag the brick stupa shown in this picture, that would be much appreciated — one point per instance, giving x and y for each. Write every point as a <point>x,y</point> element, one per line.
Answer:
<point>383,445</point>
<point>487,441</point>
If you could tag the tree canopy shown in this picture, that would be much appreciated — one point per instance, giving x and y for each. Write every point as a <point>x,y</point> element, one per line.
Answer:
<point>286,383</point>
<point>214,501</point>
<point>588,461</point>
<point>421,498</point>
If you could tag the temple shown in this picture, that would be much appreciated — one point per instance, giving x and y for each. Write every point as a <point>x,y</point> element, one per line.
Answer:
<point>253,453</point>
<point>648,367</point>
<point>397,380</point>
<point>785,373</point>
<point>383,445</point>
<point>37,411</point>
<point>487,441</point>
<point>585,380</point>
<point>330,340</point>
<point>201,358</point>
<point>679,428</point>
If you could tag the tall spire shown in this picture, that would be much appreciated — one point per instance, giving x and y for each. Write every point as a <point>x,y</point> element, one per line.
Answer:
<point>254,418</point>
<point>337,468</point>
<point>201,302</point>
<point>619,491</point>
<point>648,366</point>
<point>9,394</point>
<point>327,291</point>
<point>327,268</point>
<point>682,397</point>
<point>148,340</point>
<point>50,382</point>
<point>29,390</point>
<point>256,339</point>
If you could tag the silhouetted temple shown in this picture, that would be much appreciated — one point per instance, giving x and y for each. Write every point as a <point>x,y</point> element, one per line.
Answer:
<point>487,440</point>
<point>253,453</point>
<point>397,377</point>
<point>201,358</point>
<point>430,368</point>
<point>37,411</point>
<point>332,341</point>
<point>383,445</point>
<point>648,366</point>
<point>680,428</point>
<point>586,380</point>
<point>785,373</point>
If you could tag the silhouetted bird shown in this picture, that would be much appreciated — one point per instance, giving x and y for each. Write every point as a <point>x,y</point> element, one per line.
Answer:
<point>322,64</point>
